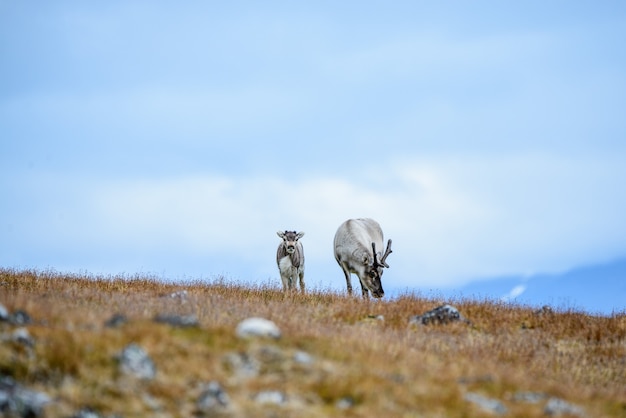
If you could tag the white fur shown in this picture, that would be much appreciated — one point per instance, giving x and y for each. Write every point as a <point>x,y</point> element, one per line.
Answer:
<point>353,251</point>
<point>290,274</point>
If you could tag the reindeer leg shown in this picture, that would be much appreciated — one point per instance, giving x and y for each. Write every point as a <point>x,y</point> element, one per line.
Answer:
<point>301,273</point>
<point>291,279</point>
<point>346,272</point>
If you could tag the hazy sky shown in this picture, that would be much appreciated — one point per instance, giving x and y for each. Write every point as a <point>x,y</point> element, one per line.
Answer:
<point>175,139</point>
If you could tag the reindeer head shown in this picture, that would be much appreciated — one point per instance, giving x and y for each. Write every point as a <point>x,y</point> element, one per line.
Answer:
<point>374,271</point>
<point>290,238</point>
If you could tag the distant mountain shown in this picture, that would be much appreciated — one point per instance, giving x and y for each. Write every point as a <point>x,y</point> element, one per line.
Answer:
<point>596,289</point>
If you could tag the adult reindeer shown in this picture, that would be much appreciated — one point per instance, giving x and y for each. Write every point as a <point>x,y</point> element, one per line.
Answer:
<point>356,244</point>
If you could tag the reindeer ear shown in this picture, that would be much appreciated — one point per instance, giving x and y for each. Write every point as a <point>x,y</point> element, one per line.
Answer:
<point>300,235</point>
<point>280,234</point>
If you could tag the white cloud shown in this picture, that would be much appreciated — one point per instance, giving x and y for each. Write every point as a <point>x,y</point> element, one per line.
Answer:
<point>513,293</point>
<point>451,219</point>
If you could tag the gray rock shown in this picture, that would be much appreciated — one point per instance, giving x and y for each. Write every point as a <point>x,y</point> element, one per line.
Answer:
<point>182,321</point>
<point>16,400</point>
<point>116,321</point>
<point>272,397</point>
<point>243,365</point>
<point>440,315</point>
<point>493,406</point>
<point>529,397</point>
<point>544,310</point>
<point>213,399</point>
<point>20,317</point>
<point>557,407</point>
<point>302,357</point>
<point>154,403</point>
<point>86,413</point>
<point>135,361</point>
<point>344,403</point>
<point>180,295</point>
<point>257,327</point>
<point>4,313</point>
<point>23,337</point>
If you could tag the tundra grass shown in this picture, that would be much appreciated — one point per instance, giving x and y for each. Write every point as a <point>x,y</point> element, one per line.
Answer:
<point>364,365</point>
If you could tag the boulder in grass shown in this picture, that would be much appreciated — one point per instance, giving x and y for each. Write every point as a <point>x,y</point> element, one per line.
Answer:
<point>213,400</point>
<point>20,318</point>
<point>136,362</point>
<point>23,337</point>
<point>181,321</point>
<point>257,327</point>
<point>556,407</point>
<point>16,400</point>
<point>179,295</point>
<point>489,405</point>
<point>443,314</point>
<point>116,321</point>
<point>86,413</point>
<point>271,397</point>
<point>4,313</point>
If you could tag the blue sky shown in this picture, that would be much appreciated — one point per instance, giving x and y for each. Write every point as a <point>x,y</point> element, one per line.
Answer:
<point>488,139</point>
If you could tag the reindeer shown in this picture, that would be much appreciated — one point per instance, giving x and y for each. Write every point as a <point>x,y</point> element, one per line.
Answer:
<point>356,241</point>
<point>290,259</point>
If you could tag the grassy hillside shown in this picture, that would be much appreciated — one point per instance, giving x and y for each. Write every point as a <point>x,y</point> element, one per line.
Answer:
<point>337,356</point>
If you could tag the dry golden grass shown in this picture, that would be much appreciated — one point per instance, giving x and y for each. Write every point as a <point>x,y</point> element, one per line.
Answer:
<point>385,367</point>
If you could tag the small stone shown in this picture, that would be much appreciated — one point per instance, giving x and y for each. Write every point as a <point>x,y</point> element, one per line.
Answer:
<point>440,315</point>
<point>273,397</point>
<point>302,358</point>
<point>372,319</point>
<point>180,294</point>
<point>490,405</point>
<point>86,413</point>
<point>257,327</point>
<point>4,313</point>
<point>20,317</point>
<point>544,310</point>
<point>344,403</point>
<point>116,321</point>
<point>182,321</point>
<point>557,407</point>
<point>152,402</point>
<point>529,397</point>
<point>22,336</point>
<point>213,399</point>
<point>135,361</point>
<point>16,400</point>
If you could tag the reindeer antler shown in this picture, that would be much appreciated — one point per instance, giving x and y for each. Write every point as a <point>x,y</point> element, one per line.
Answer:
<point>382,262</point>
<point>387,252</point>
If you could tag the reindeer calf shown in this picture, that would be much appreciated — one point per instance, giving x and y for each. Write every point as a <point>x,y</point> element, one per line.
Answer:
<point>290,259</point>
